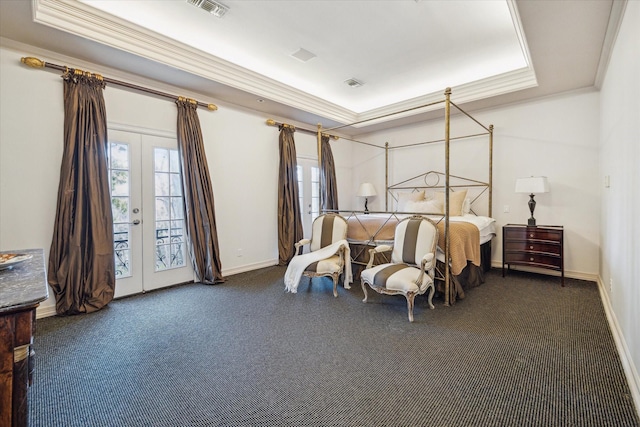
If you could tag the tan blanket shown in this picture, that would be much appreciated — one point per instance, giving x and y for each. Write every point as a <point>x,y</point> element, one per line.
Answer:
<point>464,241</point>
<point>371,228</point>
<point>464,237</point>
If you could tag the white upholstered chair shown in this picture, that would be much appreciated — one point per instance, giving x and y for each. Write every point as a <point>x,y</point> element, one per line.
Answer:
<point>326,230</point>
<point>412,266</point>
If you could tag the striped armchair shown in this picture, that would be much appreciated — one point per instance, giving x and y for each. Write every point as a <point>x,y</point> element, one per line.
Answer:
<point>412,266</point>
<point>326,230</point>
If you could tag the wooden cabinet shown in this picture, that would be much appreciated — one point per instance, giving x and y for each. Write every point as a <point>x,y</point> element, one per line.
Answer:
<point>22,288</point>
<point>533,246</point>
<point>16,358</point>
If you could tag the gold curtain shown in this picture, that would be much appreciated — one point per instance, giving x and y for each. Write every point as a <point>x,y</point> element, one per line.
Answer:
<point>289,213</point>
<point>81,268</point>
<point>198,196</point>
<point>328,182</point>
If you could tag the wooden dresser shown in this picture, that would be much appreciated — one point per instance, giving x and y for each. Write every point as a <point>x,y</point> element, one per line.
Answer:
<point>22,288</point>
<point>533,246</point>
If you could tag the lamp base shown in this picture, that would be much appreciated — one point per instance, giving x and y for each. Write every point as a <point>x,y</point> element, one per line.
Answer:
<point>366,209</point>
<point>532,207</point>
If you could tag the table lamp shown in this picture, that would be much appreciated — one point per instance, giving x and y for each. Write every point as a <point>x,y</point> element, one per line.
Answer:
<point>532,185</point>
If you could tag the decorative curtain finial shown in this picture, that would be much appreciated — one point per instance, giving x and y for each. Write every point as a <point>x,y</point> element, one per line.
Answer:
<point>33,62</point>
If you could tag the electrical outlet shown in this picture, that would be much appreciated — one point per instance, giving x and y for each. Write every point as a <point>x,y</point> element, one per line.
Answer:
<point>610,284</point>
<point>239,253</point>
<point>506,209</point>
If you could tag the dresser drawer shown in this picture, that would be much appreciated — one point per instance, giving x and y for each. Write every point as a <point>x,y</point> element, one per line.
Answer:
<point>532,246</point>
<point>533,259</point>
<point>533,233</point>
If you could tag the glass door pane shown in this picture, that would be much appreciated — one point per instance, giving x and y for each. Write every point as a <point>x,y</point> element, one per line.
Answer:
<point>124,176</point>
<point>166,255</point>
<point>120,201</point>
<point>169,214</point>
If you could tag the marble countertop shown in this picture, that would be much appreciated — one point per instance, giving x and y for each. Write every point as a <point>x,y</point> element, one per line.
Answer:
<point>25,283</point>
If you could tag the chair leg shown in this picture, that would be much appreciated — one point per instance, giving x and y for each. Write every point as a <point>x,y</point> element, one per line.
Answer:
<point>410,297</point>
<point>345,284</point>
<point>431,292</point>
<point>364,290</point>
<point>335,285</point>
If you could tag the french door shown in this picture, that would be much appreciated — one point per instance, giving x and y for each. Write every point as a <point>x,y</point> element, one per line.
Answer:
<point>148,212</point>
<point>308,192</point>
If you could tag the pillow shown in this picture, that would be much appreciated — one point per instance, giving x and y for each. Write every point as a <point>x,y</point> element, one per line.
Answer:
<point>413,196</point>
<point>456,201</point>
<point>466,206</point>
<point>430,206</point>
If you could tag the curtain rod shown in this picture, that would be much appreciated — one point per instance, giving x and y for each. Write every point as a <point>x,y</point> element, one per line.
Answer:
<point>272,122</point>
<point>38,63</point>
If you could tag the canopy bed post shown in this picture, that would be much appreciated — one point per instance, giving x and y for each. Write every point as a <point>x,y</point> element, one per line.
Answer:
<point>319,146</point>
<point>490,170</point>
<point>447,112</point>
<point>386,176</point>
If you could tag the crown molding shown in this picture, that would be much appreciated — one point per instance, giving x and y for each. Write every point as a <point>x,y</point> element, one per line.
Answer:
<point>613,28</point>
<point>481,89</point>
<point>84,21</point>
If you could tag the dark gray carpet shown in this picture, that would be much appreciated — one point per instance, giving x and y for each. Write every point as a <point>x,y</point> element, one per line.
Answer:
<point>518,351</point>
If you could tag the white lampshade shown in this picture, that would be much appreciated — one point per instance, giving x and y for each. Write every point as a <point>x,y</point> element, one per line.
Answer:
<point>532,185</point>
<point>366,190</point>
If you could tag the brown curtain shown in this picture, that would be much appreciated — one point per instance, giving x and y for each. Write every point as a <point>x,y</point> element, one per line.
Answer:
<point>328,183</point>
<point>289,213</point>
<point>198,196</point>
<point>81,268</point>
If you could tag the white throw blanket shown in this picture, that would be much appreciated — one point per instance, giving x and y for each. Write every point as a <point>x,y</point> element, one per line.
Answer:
<point>300,262</point>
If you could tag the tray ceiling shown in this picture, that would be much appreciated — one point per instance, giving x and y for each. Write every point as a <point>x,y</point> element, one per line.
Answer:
<point>297,56</point>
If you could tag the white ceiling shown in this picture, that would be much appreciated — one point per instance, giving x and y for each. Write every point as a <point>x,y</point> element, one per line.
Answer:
<point>388,45</point>
<point>405,52</point>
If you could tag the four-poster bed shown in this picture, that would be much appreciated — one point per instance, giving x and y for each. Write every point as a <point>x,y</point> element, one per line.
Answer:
<point>465,238</point>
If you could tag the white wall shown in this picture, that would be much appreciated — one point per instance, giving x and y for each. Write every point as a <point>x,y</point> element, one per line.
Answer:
<point>31,132</point>
<point>241,149</point>
<point>620,160</point>
<point>555,136</point>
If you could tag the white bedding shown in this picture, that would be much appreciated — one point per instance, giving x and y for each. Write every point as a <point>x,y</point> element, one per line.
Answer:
<point>486,225</point>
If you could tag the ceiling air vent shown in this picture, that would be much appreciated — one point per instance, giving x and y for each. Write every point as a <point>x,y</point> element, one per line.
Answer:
<point>303,55</point>
<point>353,83</point>
<point>213,7</point>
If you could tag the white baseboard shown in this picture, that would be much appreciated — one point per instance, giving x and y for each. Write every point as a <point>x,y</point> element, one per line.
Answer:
<point>249,267</point>
<point>46,311</point>
<point>592,277</point>
<point>630,370</point>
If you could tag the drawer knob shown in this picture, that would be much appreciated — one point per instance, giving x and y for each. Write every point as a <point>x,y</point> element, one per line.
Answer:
<point>530,259</point>
<point>531,235</point>
<point>530,247</point>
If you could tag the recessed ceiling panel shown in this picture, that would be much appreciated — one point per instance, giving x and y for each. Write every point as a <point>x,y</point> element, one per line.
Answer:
<point>403,50</point>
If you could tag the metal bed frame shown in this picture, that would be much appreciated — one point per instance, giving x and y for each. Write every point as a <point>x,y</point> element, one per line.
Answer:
<point>447,186</point>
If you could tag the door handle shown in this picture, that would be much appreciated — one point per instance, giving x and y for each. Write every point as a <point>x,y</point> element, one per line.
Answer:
<point>136,222</point>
